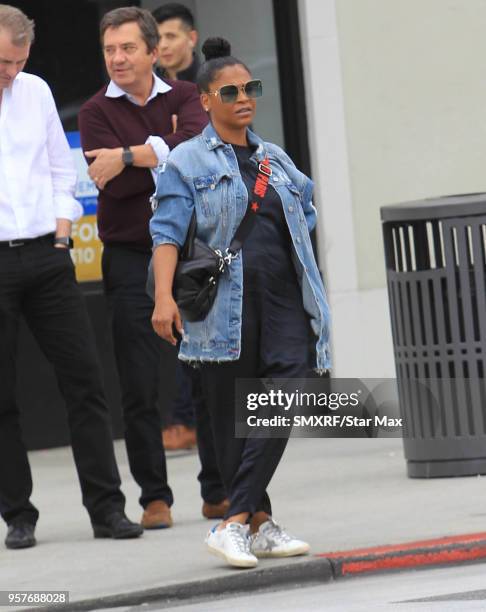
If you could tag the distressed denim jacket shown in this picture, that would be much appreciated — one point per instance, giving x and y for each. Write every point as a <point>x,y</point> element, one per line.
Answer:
<point>203,173</point>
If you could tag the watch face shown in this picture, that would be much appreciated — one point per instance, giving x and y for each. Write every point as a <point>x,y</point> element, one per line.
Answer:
<point>127,157</point>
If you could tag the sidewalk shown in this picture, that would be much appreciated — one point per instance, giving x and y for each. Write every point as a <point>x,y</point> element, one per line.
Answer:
<point>338,494</point>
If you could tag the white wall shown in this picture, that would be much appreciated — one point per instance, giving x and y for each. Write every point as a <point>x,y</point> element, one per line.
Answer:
<point>361,337</point>
<point>396,95</point>
<point>414,81</point>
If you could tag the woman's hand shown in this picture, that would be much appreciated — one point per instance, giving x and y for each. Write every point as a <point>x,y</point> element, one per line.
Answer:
<point>165,316</point>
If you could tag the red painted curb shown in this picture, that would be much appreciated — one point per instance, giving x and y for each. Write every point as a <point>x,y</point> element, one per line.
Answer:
<point>448,550</point>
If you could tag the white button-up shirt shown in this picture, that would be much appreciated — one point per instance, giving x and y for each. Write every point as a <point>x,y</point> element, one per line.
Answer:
<point>158,144</point>
<point>37,174</point>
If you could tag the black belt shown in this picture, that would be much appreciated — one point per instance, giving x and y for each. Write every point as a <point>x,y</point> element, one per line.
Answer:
<point>25,241</point>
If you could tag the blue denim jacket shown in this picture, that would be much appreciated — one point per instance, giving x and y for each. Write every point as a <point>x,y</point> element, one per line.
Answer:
<point>203,173</point>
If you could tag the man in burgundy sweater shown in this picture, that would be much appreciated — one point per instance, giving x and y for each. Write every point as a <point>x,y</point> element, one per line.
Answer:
<point>127,129</point>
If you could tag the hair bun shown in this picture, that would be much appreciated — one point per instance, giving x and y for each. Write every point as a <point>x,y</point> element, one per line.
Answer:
<point>216,47</point>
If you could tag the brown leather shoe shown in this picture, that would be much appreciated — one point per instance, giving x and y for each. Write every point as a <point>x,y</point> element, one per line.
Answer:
<point>179,437</point>
<point>215,511</point>
<point>168,437</point>
<point>156,515</point>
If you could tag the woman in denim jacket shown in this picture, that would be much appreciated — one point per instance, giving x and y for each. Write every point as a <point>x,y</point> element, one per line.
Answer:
<point>270,306</point>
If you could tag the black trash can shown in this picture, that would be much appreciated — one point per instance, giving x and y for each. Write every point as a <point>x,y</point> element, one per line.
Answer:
<point>435,253</point>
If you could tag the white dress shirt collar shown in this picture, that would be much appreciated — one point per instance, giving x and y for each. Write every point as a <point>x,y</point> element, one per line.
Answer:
<point>159,86</point>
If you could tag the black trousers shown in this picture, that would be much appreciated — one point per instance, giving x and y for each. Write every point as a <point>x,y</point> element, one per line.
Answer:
<point>190,395</point>
<point>183,410</point>
<point>190,409</point>
<point>37,281</point>
<point>275,343</point>
<point>137,351</point>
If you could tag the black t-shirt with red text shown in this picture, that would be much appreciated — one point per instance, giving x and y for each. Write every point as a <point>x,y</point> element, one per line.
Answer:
<point>267,249</point>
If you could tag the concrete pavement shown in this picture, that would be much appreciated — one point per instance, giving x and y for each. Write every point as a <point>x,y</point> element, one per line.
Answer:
<point>338,494</point>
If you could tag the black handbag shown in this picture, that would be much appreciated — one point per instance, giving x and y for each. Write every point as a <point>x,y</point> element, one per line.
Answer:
<point>197,274</point>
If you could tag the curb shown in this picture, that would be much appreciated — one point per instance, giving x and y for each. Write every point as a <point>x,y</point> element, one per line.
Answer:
<point>318,569</point>
<point>423,553</point>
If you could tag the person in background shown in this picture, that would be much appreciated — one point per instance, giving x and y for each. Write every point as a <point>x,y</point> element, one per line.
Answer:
<point>37,209</point>
<point>178,38</point>
<point>178,59</point>
<point>126,133</point>
<point>269,302</point>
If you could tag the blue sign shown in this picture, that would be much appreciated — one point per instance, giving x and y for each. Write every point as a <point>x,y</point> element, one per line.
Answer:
<point>86,191</point>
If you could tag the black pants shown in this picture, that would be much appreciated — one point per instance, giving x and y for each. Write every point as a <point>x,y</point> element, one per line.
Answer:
<point>186,402</point>
<point>190,396</point>
<point>37,281</point>
<point>137,351</point>
<point>275,339</point>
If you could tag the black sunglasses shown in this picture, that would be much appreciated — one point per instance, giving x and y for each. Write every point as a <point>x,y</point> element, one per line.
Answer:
<point>229,93</point>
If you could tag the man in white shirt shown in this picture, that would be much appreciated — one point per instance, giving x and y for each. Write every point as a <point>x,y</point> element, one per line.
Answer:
<point>37,208</point>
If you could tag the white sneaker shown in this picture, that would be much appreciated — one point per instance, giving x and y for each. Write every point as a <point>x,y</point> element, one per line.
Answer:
<point>272,541</point>
<point>232,544</point>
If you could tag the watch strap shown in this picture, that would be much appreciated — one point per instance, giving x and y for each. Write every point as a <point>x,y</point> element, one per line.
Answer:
<point>64,240</point>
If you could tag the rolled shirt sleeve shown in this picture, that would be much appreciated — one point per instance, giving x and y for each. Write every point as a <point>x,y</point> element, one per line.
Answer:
<point>63,172</point>
<point>161,150</point>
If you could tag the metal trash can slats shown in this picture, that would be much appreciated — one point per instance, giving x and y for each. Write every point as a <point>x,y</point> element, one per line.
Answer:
<point>435,254</point>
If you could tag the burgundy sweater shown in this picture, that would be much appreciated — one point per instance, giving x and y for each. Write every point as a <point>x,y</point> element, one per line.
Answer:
<point>123,205</point>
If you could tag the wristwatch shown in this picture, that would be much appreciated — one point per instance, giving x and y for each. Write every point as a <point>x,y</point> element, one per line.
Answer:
<point>127,156</point>
<point>65,241</point>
